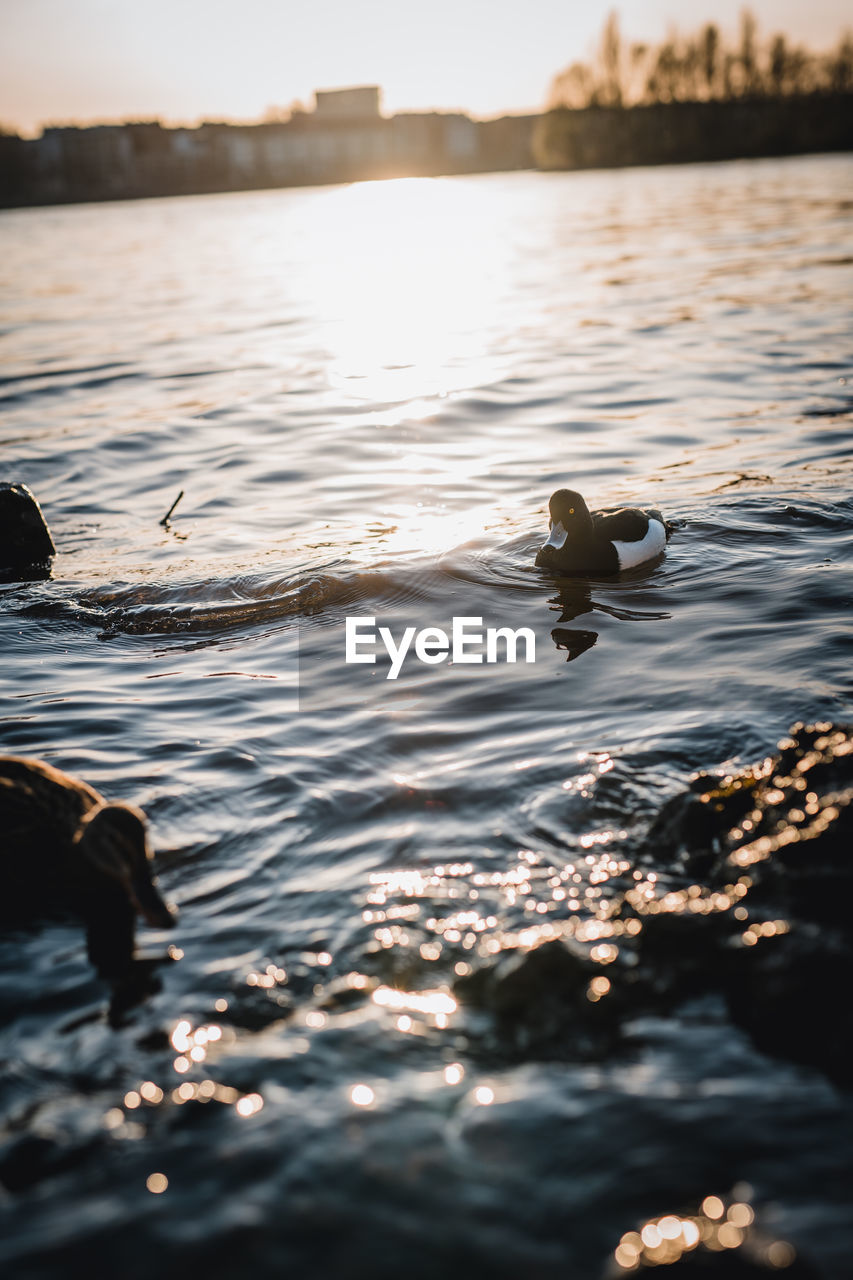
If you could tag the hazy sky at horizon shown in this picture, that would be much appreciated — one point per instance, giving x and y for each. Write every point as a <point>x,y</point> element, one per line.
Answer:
<point>185,60</point>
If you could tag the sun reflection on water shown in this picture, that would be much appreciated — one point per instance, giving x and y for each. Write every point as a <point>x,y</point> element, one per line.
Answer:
<point>410,305</point>
<point>431,532</point>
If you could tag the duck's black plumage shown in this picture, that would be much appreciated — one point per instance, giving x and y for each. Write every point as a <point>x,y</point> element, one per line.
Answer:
<point>600,542</point>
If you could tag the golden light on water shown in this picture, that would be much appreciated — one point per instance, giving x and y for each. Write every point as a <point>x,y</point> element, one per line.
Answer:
<point>192,1043</point>
<point>272,976</point>
<point>202,1091</point>
<point>428,1002</point>
<point>249,1105</point>
<point>713,1207</point>
<point>627,1253</point>
<point>780,1254</point>
<point>741,1215</point>
<point>157,1183</point>
<point>650,1235</point>
<point>205,1091</point>
<point>430,532</point>
<point>412,311</point>
<point>409,320</point>
<point>690,1232</point>
<point>716,1227</point>
<point>393,882</point>
<point>362,1095</point>
<point>181,1036</point>
<point>598,900</point>
<point>597,988</point>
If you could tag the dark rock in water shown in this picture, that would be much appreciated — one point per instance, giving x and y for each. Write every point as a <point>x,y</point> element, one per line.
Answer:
<point>521,979</point>
<point>758,911</point>
<point>787,823</point>
<point>691,827</point>
<point>541,1001</point>
<point>792,997</point>
<point>25,541</point>
<point>34,1158</point>
<point>729,1267</point>
<point>785,800</point>
<point>550,972</point>
<point>734,1267</point>
<point>784,830</point>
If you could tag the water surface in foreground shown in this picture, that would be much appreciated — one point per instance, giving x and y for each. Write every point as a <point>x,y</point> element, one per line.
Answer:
<point>367,395</point>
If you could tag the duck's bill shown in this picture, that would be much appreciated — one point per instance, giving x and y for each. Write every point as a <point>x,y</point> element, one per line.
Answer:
<point>153,909</point>
<point>557,536</point>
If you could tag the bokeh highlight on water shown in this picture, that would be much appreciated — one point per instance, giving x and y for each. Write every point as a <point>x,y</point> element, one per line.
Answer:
<point>367,394</point>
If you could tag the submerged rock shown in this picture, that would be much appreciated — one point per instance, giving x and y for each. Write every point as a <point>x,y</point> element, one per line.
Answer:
<point>766,813</point>
<point>539,1000</point>
<point>25,541</point>
<point>756,908</point>
<point>783,831</point>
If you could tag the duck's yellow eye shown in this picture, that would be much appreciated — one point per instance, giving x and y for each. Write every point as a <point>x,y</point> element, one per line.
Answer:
<point>571,511</point>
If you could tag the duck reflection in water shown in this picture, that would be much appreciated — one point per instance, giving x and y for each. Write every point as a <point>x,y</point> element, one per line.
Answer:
<point>66,851</point>
<point>573,599</point>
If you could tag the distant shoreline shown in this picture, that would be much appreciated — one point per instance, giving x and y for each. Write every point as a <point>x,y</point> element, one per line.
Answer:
<point>599,137</point>
<point>137,160</point>
<point>147,161</point>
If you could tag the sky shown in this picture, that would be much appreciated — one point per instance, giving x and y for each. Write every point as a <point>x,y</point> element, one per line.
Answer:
<point>187,60</point>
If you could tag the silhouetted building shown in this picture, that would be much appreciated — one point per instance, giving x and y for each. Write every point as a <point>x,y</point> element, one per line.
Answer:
<point>357,103</point>
<point>345,139</point>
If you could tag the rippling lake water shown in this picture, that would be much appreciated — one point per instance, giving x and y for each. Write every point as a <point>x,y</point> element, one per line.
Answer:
<point>367,395</point>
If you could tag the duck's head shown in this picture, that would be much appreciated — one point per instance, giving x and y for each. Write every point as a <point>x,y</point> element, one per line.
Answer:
<point>113,843</point>
<point>569,518</point>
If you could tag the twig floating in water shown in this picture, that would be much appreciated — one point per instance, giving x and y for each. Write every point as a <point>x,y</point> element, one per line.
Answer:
<point>165,519</point>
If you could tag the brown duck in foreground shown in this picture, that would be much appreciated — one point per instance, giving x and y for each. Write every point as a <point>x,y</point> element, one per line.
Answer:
<point>65,848</point>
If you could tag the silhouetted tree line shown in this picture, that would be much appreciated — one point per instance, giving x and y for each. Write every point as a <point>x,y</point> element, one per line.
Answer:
<point>694,99</point>
<point>700,68</point>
